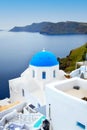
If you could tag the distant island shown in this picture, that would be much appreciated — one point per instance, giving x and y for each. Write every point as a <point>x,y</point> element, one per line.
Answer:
<point>76,55</point>
<point>50,28</point>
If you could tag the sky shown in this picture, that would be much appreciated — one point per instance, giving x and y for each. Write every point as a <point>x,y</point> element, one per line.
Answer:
<point>25,12</point>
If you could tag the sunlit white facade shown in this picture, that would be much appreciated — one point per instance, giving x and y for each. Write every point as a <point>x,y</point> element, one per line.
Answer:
<point>66,108</point>
<point>43,68</point>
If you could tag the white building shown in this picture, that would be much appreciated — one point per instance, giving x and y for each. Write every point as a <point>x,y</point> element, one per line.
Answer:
<point>67,106</point>
<point>43,68</point>
<point>80,72</point>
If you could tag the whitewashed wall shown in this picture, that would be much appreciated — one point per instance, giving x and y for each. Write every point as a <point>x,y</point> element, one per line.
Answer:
<point>66,110</point>
<point>48,70</point>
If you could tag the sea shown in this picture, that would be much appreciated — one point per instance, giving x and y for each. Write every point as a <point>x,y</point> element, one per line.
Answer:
<point>17,49</point>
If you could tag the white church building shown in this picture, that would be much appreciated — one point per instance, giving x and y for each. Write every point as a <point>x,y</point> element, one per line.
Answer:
<point>30,86</point>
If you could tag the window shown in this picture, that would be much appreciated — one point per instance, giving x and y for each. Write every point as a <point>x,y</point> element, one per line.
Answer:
<point>43,75</point>
<point>23,92</point>
<point>33,73</point>
<point>10,88</point>
<point>82,126</point>
<point>54,74</point>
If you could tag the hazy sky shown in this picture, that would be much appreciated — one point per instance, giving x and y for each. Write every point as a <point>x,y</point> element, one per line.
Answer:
<point>24,12</point>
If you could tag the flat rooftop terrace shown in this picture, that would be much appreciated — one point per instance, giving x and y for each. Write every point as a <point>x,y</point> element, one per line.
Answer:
<point>79,93</point>
<point>5,107</point>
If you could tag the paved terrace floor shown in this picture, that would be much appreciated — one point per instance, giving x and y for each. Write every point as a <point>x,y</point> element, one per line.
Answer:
<point>81,93</point>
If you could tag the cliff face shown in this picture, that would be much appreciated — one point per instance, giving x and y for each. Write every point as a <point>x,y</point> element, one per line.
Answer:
<point>65,28</point>
<point>35,27</point>
<point>49,28</point>
<point>76,55</point>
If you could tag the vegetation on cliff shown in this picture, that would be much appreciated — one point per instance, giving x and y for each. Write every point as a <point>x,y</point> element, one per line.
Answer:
<point>76,55</point>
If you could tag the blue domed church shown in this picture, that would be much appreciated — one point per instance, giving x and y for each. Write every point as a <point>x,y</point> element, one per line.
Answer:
<point>43,68</point>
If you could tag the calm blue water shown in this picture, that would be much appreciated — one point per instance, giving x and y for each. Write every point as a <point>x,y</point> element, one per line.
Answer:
<point>16,50</point>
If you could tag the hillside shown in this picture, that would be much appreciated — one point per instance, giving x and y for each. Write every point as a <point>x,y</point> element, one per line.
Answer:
<point>50,28</point>
<point>34,27</point>
<point>76,55</point>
